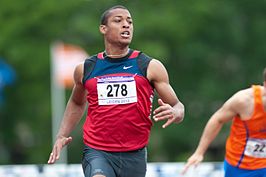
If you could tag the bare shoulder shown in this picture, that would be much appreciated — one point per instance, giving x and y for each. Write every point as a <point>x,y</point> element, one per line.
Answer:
<point>156,71</point>
<point>156,61</point>
<point>243,96</point>
<point>242,102</point>
<point>78,73</point>
<point>155,64</point>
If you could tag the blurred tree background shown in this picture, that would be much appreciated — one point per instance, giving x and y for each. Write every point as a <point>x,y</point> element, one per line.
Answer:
<point>210,48</point>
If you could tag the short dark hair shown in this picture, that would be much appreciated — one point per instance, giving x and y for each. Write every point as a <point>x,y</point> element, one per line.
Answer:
<point>264,74</point>
<point>106,13</point>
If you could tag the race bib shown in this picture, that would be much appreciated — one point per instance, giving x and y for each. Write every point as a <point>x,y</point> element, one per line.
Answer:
<point>256,148</point>
<point>116,90</point>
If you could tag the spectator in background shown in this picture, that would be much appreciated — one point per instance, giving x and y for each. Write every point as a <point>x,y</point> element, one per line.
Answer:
<point>119,86</point>
<point>246,145</point>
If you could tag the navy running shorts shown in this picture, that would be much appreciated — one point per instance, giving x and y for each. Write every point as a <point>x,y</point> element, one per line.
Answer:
<point>114,164</point>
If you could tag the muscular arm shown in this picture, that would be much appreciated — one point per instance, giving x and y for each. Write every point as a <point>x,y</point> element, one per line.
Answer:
<point>73,113</point>
<point>76,105</point>
<point>170,108</point>
<point>226,113</point>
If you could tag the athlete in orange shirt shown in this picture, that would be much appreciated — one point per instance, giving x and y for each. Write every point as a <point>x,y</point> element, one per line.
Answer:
<point>246,145</point>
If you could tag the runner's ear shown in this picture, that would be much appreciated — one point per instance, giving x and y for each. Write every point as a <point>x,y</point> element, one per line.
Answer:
<point>102,29</point>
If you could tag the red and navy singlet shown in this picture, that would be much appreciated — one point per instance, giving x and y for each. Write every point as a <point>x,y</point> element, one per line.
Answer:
<point>120,101</point>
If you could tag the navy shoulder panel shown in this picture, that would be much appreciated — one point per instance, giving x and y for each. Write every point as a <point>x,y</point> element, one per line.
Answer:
<point>89,65</point>
<point>143,62</point>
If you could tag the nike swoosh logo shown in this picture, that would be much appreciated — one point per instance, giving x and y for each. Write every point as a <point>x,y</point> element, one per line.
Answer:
<point>127,67</point>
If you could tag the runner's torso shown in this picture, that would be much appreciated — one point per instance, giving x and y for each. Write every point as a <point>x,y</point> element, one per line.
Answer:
<point>246,144</point>
<point>120,101</point>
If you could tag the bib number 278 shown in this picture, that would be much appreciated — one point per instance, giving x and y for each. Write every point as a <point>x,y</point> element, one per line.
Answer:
<point>116,89</point>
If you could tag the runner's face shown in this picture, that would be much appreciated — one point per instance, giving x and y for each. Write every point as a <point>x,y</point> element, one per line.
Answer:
<point>119,27</point>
